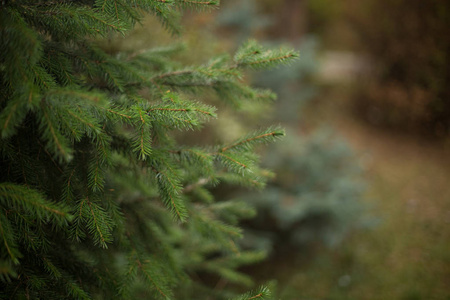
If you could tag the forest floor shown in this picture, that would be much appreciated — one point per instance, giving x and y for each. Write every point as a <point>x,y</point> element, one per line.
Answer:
<point>407,255</point>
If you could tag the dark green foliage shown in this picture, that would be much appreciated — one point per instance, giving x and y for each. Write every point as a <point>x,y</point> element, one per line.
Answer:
<point>97,198</point>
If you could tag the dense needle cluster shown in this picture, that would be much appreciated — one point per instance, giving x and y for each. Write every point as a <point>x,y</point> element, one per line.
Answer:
<point>97,199</point>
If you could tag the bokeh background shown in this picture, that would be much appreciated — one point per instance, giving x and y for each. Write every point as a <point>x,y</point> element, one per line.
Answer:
<point>359,207</point>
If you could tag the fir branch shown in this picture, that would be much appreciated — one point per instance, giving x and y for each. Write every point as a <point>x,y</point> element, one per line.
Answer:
<point>9,238</point>
<point>174,73</point>
<point>258,137</point>
<point>43,79</point>
<point>76,229</point>
<point>181,109</point>
<point>198,5</point>
<point>198,158</point>
<point>66,21</point>
<point>50,267</point>
<point>233,211</point>
<point>234,161</point>
<point>32,201</point>
<point>96,171</point>
<point>98,224</point>
<point>7,272</point>
<point>143,140</point>
<point>12,110</point>
<point>168,16</point>
<point>170,190</point>
<point>57,61</point>
<point>97,221</point>
<point>12,115</point>
<point>261,293</point>
<point>149,277</point>
<point>269,61</point>
<point>120,114</point>
<point>67,193</point>
<point>180,114</point>
<point>73,289</point>
<point>56,142</point>
<point>222,231</point>
<point>151,270</point>
<point>253,55</point>
<point>129,278</point>
<point>192,2</point>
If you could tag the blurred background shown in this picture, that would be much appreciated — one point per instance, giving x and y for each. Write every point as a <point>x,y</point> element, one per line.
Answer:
<point>359,207</point>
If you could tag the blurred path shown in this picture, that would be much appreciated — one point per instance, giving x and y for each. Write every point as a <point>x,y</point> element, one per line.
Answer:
<point>408,255</point>
<point>342,66</point>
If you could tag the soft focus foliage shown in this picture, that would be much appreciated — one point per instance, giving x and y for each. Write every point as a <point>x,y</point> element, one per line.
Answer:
<point>409,47</point>
<point>314,198</point>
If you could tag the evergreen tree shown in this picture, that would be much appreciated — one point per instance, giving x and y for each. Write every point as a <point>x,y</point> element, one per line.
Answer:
<point>98,200</point>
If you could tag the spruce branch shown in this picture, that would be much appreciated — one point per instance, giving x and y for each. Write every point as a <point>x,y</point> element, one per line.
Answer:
<point>56,144</point>
<point>180,114</point>
<point>13,115</point>
<point>76,21</point>
<point>95,174</point>
<point>170,190</point>
<point>7,272</point>
<point>261,293</point>
<point>219,230</point>
<point>199,3</point>
<point>95,219</point>
<point>253,55</point>
<point>142,141</point>
<point>68,190</point>
<point>233,162</point>
<point>169,17</point>
<point>9,239</point>
<point>149,275</point>
<point>174,74</point>
<point>99,227</point>
<point>223,77</point>
<point>258,137</point>
<point>199,158</point>
<point>267,62</point>
<point>33,202</point>
<point>121,114</point>
<point>130,276</point>
<point>148,269</point>
<point>50,267</point>
<point>73,289</point>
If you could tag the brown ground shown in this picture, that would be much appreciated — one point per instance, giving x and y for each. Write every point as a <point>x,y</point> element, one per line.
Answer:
<point>407,256</point>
